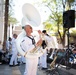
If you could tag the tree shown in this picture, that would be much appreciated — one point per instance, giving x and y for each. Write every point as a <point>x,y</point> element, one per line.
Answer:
<point>47,26</point>
<point>7,20</point>
<point>69,4</point>
<point>11,19</point>
<point>5,23</point>
<point>55,19</point>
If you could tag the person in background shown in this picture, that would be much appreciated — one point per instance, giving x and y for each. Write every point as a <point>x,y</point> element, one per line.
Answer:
<point>9,46</point>
<point>14,52</point>
<point>43,58</point>
<point>8,43</point>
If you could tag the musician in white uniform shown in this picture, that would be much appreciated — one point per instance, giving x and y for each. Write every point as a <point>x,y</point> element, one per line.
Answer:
<point>28,44</point>
<point>14,52</point>
<point>43,58</point>
<point>50,42</point>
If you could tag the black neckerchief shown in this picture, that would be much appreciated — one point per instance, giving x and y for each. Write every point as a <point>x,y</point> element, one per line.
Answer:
<point>33,40</point>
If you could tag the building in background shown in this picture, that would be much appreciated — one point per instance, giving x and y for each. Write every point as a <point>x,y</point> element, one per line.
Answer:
<point>1,20</point>
<point>16,30</point>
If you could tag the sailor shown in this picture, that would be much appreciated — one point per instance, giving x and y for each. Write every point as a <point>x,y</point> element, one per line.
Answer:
<point>48,42</point>
<point>28,44</point>
<point>43,58</point>
<point>14,52</point>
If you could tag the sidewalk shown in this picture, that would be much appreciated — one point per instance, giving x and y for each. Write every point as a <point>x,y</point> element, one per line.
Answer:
<point>19,70</point>
<point>6,70</point>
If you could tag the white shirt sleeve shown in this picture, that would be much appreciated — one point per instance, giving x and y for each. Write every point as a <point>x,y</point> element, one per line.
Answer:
<point>52,42</point>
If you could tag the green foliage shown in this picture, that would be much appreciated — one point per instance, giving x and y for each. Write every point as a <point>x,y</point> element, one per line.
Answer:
<point>71,1</point>
<point>55,19</point>
<point>11,20</point>
<point>73,33</point>
<point>48,26</point>
<point>54,22</point>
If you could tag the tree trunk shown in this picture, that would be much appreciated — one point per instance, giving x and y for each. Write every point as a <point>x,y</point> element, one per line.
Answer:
<point>5,23</point>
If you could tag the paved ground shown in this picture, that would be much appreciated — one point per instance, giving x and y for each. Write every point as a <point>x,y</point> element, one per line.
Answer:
<point>19,70</point>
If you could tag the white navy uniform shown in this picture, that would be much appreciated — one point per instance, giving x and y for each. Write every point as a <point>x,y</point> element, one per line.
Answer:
<point>43,58</point>
<point>14,53</point>
<point>23,60</point>
<point>31,63</point>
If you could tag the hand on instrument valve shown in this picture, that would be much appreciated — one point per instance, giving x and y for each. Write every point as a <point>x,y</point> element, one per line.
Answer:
<point>39,43</point>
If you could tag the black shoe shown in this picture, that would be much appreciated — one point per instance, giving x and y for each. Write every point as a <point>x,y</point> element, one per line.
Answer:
<point>17,65</point>
<point>44,68</point>
<point>23,63</point>
<point>11,65</point>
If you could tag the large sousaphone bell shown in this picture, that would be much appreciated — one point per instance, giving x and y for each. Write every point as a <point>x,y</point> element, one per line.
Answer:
<point>30,16</point>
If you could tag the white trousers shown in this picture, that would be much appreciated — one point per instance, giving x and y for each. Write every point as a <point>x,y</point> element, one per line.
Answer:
<point>31,66</point>
<point>13,58</point>
<point>43,60</point>
<point>23,59</point>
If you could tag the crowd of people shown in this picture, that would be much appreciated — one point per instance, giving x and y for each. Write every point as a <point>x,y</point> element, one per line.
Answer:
<point>11,56</point>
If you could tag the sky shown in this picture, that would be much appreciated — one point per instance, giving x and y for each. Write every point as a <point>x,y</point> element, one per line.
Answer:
<point>20,3</point>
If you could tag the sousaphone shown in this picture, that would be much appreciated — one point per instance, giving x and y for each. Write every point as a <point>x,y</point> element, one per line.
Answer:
<point>30,16</point>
